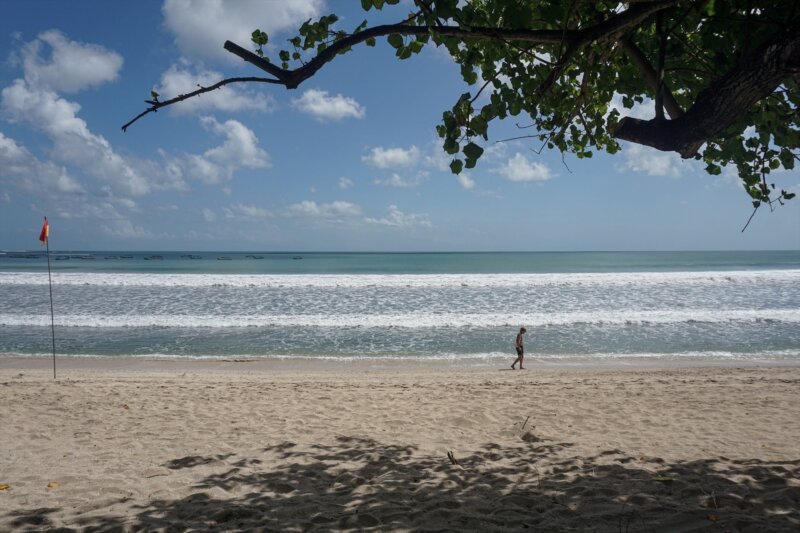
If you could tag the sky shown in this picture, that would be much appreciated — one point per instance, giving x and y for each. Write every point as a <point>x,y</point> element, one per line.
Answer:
<point>348,161</point>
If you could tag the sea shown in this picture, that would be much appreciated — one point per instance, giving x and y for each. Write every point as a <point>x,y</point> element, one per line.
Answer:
<point>582,307</point>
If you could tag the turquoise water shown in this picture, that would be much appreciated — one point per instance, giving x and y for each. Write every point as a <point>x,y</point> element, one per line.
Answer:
<point>592,306</point>
<point>398,263</point>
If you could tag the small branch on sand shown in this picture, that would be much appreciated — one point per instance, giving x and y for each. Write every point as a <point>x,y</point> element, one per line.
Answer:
<point>452,458</point>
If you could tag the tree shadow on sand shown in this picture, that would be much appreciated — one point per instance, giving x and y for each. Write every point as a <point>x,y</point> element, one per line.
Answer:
<point>362,484</point>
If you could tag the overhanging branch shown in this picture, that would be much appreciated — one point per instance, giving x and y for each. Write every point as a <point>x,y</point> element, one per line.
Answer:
<point>291,79</point>
<point>723,102</point>
<point>155,105</point>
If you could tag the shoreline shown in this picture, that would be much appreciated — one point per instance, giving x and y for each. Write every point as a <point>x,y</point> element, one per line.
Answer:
<point>288,365</point>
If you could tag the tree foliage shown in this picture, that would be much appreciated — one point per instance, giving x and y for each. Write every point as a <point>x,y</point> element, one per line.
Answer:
<point>721,76</point>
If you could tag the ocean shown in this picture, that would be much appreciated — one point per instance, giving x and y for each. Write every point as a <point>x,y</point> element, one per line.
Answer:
<point>579,307</point>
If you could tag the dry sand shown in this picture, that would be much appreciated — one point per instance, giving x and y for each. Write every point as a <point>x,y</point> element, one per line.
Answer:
<point>228,447</point>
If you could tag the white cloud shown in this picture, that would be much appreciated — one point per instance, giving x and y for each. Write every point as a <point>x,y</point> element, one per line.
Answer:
<point>437,158</point>
<point>391,157</point>
<point>398,219</point>
<point>71,67</point>
<point>465,181</point>
<point>397,181</point>
<point>520,169</point>
<point>323,107</point>
<point>345,183</point>
<point>73,142</point>
<point>240,148</point>
<point>209,215</point>
<point>308,208</point>
<point>6,198</point>
<point>125,229</point>
<point>246,211</point>
<point>218,164</point>
<point>653,162</point>
<point>177,80</point>
<point>21,168</point>
<point>201,27</point>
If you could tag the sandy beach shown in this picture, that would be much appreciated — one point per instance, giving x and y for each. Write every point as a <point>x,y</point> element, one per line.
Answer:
<point>226,446</point>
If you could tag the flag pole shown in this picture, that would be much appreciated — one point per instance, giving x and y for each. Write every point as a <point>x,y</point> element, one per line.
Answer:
<point>52,318</point>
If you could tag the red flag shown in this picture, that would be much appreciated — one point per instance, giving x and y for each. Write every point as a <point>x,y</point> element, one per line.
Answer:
<point>45,232</point>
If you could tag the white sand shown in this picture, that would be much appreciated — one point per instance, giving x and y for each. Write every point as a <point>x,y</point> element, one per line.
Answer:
<point>212,446</point>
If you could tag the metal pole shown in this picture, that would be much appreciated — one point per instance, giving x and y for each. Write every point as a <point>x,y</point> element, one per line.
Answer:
<point>52,319</point>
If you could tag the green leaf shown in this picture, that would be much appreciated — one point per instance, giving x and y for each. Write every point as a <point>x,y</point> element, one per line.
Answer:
<point>370,41</point>
<point>284,55</point>
<point>788,195</point>
<point>455,166</point>
<point>395,40</point>
<point>154,95</point>
<point>259,37</point>
<point>472,151</point>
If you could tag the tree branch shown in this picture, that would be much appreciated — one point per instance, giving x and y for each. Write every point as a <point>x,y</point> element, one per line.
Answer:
<point>573,38</point>
<point>155,105</point>
<point>650,76</point>
<point>291,79</point>
<point>723,102</point>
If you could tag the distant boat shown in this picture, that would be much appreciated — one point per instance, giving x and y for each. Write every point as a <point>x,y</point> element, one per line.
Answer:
<point>223,258</point>
<point>62,257</point>
<point>154,257</point>
<point>111,257</point>
<point>255,256</point>
<point>86,257</point>
<point>297,257</point>
<point>126,257</point>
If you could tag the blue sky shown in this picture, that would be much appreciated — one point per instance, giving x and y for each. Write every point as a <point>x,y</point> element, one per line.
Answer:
<point>348,161</point>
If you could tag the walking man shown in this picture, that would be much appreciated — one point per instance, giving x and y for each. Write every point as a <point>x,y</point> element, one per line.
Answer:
<point>520,350</point>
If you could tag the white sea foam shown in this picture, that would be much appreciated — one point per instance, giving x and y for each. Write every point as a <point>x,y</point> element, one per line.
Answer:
<point>398,280</point>
<point>412,320</point>
<point>479,358</point>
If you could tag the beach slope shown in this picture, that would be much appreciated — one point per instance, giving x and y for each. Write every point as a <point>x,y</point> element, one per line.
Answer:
<point>195,448</point>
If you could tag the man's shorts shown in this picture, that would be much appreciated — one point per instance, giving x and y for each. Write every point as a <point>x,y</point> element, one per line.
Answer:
<point>519,351</point>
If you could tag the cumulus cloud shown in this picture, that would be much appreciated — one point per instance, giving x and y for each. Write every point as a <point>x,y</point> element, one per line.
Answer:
<point>392,157</point>
<point>240,147</point>
<point>465,181</point>
<point>309,208</point>
<point>73,142</point>
<point>520,169</point>
<point>398,219</point>
<point>345,183</point>
<point>648,160</point>
<point>397,181</point>
<point>323,107</point>
<point>246,211</point>
<point>218,164</point>
<point>201,27</point>
<point>71,66</point>
<point>208,215</point>
<point>182,80</point>
<point>24,170</point>
<point>125,229</point>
